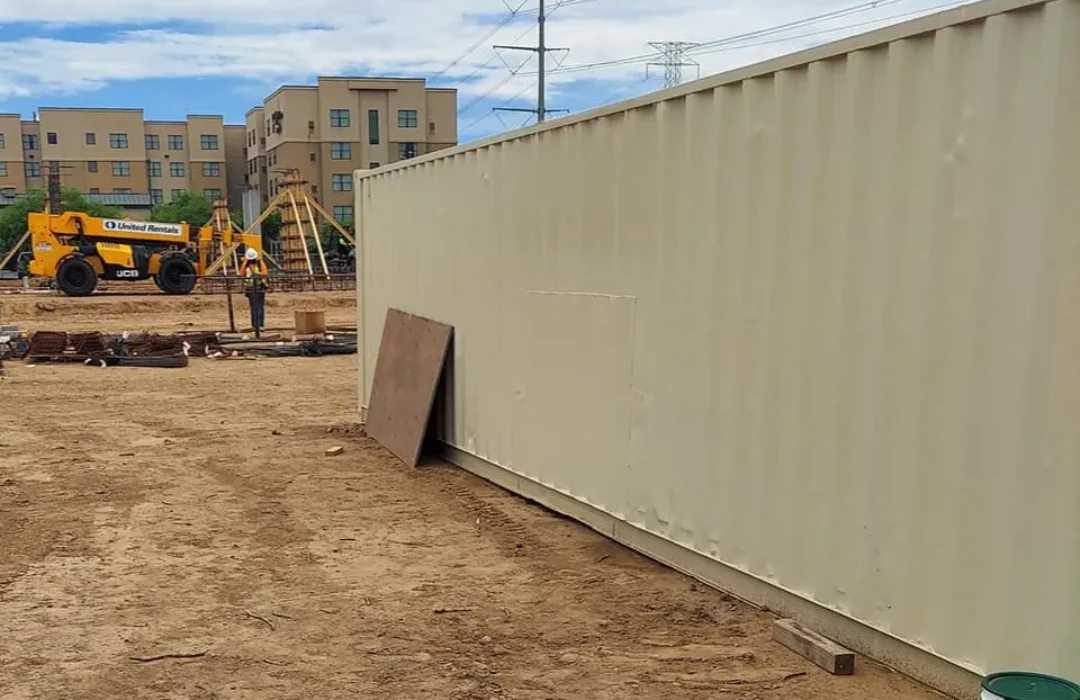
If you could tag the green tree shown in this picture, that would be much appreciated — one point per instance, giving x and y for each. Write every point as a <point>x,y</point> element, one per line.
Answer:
<point>191,208</point>
<point>13,217</point>
<point>271,226</point>
<point>185,207</point>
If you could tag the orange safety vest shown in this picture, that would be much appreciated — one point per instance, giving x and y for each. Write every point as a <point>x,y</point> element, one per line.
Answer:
<point>254,272</point>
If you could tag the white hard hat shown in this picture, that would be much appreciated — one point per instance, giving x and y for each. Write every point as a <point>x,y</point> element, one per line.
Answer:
<point>251,254</point>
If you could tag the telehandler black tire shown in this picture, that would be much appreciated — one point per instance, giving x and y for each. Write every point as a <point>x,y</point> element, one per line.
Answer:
<point>176,275</point>
<point>76,277</point>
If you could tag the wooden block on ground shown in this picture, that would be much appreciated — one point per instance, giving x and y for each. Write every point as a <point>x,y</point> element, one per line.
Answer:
<point>824,652</point>
<point>412,355</point>
<point>334,451</point>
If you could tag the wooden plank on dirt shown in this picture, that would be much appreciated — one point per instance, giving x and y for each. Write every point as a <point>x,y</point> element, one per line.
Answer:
<point>408,371</point>
<point>824,652</point>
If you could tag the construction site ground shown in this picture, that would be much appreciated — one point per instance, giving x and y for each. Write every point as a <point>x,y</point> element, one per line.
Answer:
<point>193,512</point>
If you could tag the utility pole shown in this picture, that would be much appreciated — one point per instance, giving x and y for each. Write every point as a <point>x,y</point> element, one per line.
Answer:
<point>541,95</point>
<point>541,50</point>
<point>674,55</point>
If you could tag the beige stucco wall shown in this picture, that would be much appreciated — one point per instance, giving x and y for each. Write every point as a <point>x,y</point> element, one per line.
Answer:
<point>235,163</point>
<point>12,154</point>
<point>807,330</point>
<point>71,127</point>
<point>165,155</point>
<point>442,121</point>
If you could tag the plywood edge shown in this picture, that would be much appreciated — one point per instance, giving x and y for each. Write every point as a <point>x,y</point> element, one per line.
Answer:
<point>935,671</point>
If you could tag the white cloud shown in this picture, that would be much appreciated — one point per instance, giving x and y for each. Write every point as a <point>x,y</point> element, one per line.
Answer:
<point>260,40</point>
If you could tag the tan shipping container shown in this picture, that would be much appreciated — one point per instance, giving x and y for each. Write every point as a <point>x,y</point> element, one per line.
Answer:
<point>807,330</point>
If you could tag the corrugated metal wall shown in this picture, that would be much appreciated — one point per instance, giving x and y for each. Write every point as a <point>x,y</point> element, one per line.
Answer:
<point>815,320</point>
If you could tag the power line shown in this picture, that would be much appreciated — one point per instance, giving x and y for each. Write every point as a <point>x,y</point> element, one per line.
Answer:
<point>766,31</point>
<point>490,33</point>
<point>731,43</point>
<point>510,100</point>
<point>476,100</point>
<point>541,50</point>
<point>798,23</point>
<point>514,72</point>
<point>855,25</point>
<point>491,60</point>
<point>528,30</point>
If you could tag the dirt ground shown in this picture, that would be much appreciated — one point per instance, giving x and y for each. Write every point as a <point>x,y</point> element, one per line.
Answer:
<point>193,511</point>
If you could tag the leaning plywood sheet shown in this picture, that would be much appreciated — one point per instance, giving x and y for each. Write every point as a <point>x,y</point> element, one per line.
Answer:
<point>407,373</point>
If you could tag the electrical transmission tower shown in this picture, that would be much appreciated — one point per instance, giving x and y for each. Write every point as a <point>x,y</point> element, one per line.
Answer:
<point>541,50</point>
<point>674,55</point>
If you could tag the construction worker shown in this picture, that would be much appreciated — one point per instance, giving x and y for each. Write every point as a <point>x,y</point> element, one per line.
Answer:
<point>256,276</point>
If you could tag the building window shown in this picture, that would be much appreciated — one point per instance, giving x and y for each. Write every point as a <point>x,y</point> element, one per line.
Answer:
<point>3,169</point>
<point>431,128</point>
<point>157,196</point>
<point>3,141</point>
<point>153,142</point>
<point>95,190</point>
<point>29,142</point>
<point>406,151</point>
<point>373,126</point>
<point>173,194</point>
<point>121,190</point>
<point>176,142</point>
<point>211,169</point>
<point>372,166</point>
<point>91,166</point>
<point>340,117</point>
<point>118,141</point>
<point>155,168</point>
<point>343,215</point>
<point>121,168</point>
<point>208,142</point>
<point>212,195</point>
<point>407,119</point>
<point>176,170</point>
<point>341,151</point>
<point>312,157</point>
<point>341,182</point>
<point>33,169</point>
<point>50,137</point>
<point>91,138</point>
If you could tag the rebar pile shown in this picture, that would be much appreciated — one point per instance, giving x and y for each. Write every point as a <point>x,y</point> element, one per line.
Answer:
<point>149,349</point>
<point>47,346</point>
<point>150,345</point>
<point>311,348</point>
<point>88,344</point>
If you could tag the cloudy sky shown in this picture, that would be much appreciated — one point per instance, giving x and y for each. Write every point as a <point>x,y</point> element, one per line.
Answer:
<point>174,57</point>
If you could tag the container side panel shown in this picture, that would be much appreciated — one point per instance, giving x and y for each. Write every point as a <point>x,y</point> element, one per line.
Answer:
<point>818,324</point>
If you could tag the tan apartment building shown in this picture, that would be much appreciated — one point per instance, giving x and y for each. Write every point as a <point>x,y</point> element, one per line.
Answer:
<point>328,130</point>
<point>117,156</point>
